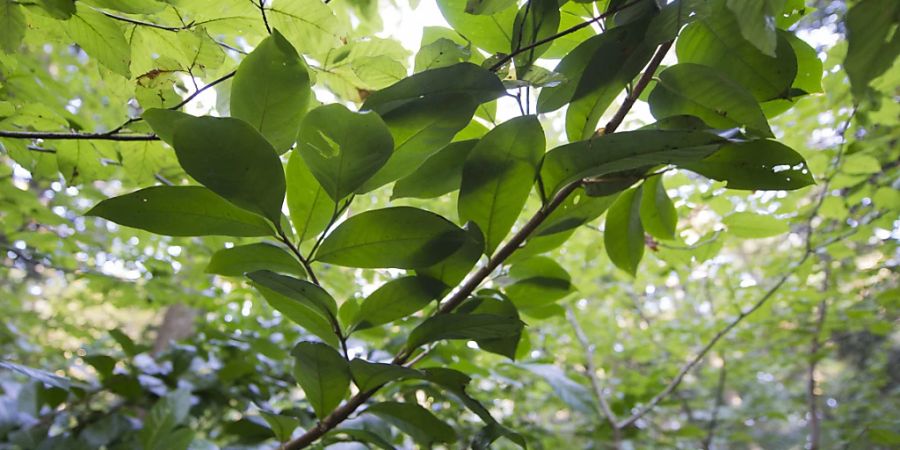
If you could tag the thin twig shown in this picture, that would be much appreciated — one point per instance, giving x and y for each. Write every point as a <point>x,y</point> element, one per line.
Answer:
<point>720,396</point>
<point>814,347</point>
<point>147,24</point>
<point>262,11</point>
<point>641,85</point>
<point>52,135</point>
<point>296,252</point>
<point>596,383</point>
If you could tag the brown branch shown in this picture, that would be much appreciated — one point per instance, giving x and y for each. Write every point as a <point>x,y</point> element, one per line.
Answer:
<point>640,86</point>
<point>147,24</point>
<point>52,135</point>
<point>507,58</point>
<point>814,347</point>
<point>455,299</point>
<point>720,396</point>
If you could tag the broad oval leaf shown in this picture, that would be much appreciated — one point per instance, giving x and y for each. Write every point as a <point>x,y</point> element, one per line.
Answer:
<point>300,301</point>
<point>415,421</point>
<point>709,94</point>
<point>757,164</point>
<point>101,37</point>
<point>163,122</point>
<point>490,32</point>
<point>233,160</point>
<point>271,91</point>
<point>463,326</point>
<point>537,281</point>
<point>752,226</point>
<point>342,148</point>
<point>181,211</point>
<point>624,151</point>
<point>498,175</point>
<point>401,237</point>
<point>397,299</point>
<point>623,235</point>
<point>756,21</point>
<point>658,215</point>
<point>501,306</point>
<point>310,206</point>
<point>712,42</point>
<point>439,174</point>
<point>237,261</point>
<point>370,375</point>
<point>453,269</point>
<point>869,51</point>
<point>323,374</point>
<point>535,21</point>
<point>577,210</point>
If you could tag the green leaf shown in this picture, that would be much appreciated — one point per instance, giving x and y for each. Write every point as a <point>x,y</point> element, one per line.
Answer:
<point>58,9</point>
<point>537,281</point>
<point>302,302</point>
<point>577,210</point>
<point>751,225</point>
<point>490,32</point>
<point>271,91</point>
<point>757,164</point>
<point>870,52</point>
<point>164,121</point>
<point>300,290</point>
<point>535,21</point>
<point>415,421</point>
<point>310,206</point>
<point>441,53</point>
<point>237,261</point>
<point>709,94</point>
<point>233,160</point>
<point>809,66</point>
<point>397,299</point>
<point>101,38</point>
<point>129,6</point>
<point>463,326</point>
<point>624,151</point>
<point>600,82</point>
<point>426,110</point>
<point>500,306</point>
<point>454,268</point>
<point>482,7</point>
<point>756,20</point>
<point>12,26</point>
<point>48,378</point>
<point>658,215</point>
<point>159,431</point>
<point>323,374</point>
<point>666,25</point>
<point>400,237</point>
<point>310,25</point>
<point>181,211</point>
<point>369,375</point>
<point>441,173</point>
<point>712,42</point>
<point>359,435</point>
<point>342,148</point>
<point>498,175</point>
<point>282,426</point>
<point>623,235</point>
<point>571,393</point>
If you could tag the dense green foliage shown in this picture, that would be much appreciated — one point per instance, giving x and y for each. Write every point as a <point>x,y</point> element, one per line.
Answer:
<point>576,224</point>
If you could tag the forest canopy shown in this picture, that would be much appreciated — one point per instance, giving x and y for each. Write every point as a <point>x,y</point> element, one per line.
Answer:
<point>611,224</point>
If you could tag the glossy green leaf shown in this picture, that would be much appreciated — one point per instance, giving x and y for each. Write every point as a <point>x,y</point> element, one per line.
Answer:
<point>12,26</point>
<point>439,174</point>
<point>233,160</point>
<point>453,269</point>
<point>537,281</point>
<point>102,38</point>
<point>673,16</point>
<point>624,151</point>
<point>181,211</point>
<point>658,215</point>
<point>310,206</point>
<point>370,375</point>
<point>489,32</point>
<point>751,225</point>
<point>397,299</point>
<point>362,435</point>
<point>323,374</point>
<point>271,91</point>
<point>440,53</point>
<point>809,66</point>
<point>500,306</point>
<point>463,326</point>
<point>310,25</point>
<point>163,122</point>
<point>237,261</point>
<point>535,21</point>
<point>623,235</point>
<point>487,7</point>
<point>577,210</point>
<point>498,175</point>
<point>58,9</point>
<point>758,164</point>
<point>709,94</point>
<point>302,302</point>
<point>129,6</point>
<point>282,426</point>
<point>401,237</point>
<point>756,21</point>
<point>603,82</point>
<point>415,421</point>
<point>873,41</point>
<point>712,42</point>
<point>342,148</point>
